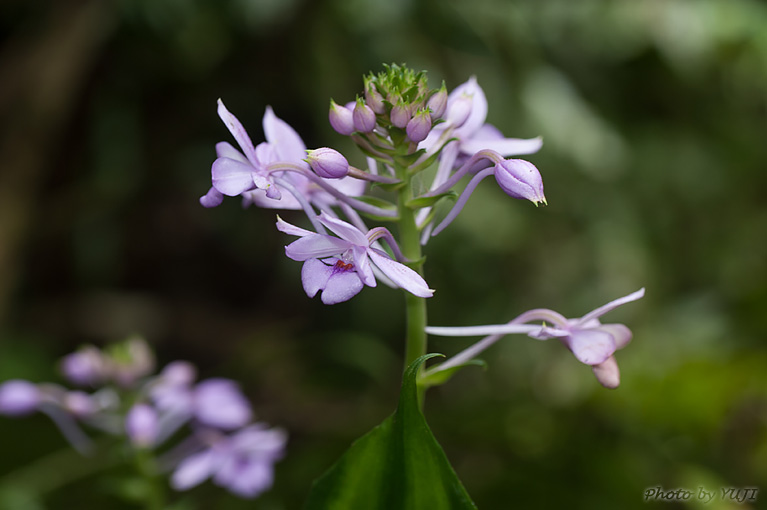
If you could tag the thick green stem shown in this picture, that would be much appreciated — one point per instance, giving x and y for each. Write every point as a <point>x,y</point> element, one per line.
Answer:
<point>410,244</point>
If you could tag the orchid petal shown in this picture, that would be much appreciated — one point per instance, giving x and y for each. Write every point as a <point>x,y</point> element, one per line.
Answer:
<point>607,373</point>
<point>315,246</point>
<point>314,276</point>
<point>401,275</point>
<point>227,150</point>
<point>344,230</point>
<point>591,347</point>
<point>247,478</point>
<point>238,132</point>
<point>496,329</point>
<point>285,141</point>
<point>362,265</point>
<point>478,112</point>
<point>212,198</point>
<point>620,333</point>
<point>504,146</point>
<point>287,228</point>
<point>232,177</point>
<point>341,286</point>
<point>194,469</point>
<point>612,305</point>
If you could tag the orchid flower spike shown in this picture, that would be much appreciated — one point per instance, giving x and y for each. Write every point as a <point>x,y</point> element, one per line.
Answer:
<point>592,342</point>
<point>340,266</point>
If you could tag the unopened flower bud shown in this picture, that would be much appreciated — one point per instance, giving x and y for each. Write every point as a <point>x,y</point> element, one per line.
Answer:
<point>341,119</point>
<point>79,403</point>
<point>85,367</point>
<point>142,425</point>
<point>18,397</point>
<point>364,117</point>
<point>328,163</point>
<point>438,103</point>
<point>520,179</point>
<point>400,114</point>
<point>373,98</point>
<point>419,126</point>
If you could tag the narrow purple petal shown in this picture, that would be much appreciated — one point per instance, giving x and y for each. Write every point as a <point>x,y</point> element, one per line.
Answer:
<point>232,177</point>
<point>238,132</point>
<point>316,246</point>
<point>591,346</point>
<point>344,230</point>
<point>340,287</point>
<point>607,373</point>
<point>194,470</point>
<point>362,265</point>
<point>504,146</point>
<point>612,305</point>
<point>287,228</point>
<point>284,140</point>
<point>401,275</point>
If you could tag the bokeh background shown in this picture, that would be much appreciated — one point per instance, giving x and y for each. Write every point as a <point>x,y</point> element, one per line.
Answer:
<point>654,121</point>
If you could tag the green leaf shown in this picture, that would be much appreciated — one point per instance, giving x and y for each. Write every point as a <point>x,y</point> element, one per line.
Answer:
<point>397,465</point>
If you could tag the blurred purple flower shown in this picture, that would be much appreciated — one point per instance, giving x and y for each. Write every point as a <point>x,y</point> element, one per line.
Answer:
<point>142,425</point>
<point>19,397</point>
<point>85,367</point>
<point>242,462</point>
<point>220,403</point>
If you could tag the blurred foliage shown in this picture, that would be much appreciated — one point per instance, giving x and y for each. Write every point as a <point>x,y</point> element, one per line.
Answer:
<point>653,116</point>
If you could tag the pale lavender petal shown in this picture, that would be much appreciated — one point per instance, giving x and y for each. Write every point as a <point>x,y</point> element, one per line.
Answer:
<point>620,333</point>
<point>258,197</point>
<point>340,287</point>
<point>285,142</point>
<point>220,403</point>
<point>227,150</point>
<point>246,477</point>
<point>194,470</point>
<point>232,177</point>
<point>344,230</point>
<point>273,192</point>
<point>314,276</point>
<point>316,246</point>
<point>18,397</point>
<point>265,154</point>
<point>258,439</point>
<point>478,107</point>
<point>142,425</point>
<point>607,373</point>
<point>287,228</point>
<point>362,265</point>
<point>212,198</point>
<point>181,373</point>
<point>84,367</point>
<point>590,346</point>
<point>612,305</point>
<point>401,275</point>
<point>504,146</point>
<point>238,132</point>
<point>79,404</point>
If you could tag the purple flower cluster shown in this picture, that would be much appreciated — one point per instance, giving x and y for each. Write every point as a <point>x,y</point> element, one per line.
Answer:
<point>223,443</point>
<point>402,127</point>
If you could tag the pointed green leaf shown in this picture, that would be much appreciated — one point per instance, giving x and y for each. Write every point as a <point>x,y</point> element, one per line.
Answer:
<point>397,465</point>
<point>418,203</point>
<point>435,378</point>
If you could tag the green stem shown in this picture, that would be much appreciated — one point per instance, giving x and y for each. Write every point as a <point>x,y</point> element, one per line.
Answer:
<point>410,244</point>
<point>154,490</point>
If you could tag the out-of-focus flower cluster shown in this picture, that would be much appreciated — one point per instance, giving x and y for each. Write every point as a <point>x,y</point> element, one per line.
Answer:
<point>197,429</point>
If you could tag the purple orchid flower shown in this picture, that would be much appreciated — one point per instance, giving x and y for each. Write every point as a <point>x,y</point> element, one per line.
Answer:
<point>592,342</point>
<point>340,266</point>
<point>242,462</point>
<point>465,120</point>
<point>248,173</point>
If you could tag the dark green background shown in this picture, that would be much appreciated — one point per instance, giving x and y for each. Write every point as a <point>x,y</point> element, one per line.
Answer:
<point>654,120</point>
